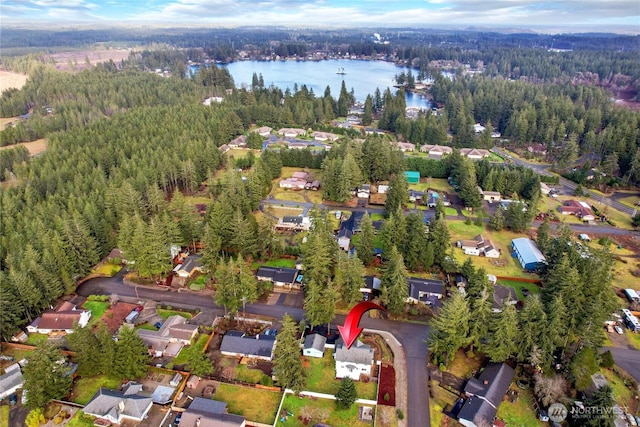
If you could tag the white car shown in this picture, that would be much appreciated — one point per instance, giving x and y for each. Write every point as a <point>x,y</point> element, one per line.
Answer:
<point>619,330</point>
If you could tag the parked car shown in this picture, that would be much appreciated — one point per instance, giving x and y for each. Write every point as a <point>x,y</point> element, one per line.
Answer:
<point>177,420</point>
<point>139,308</point>
<point>158,325</point>
<point>543,416</point>
<point>619,330</point>
<point>13,399</point>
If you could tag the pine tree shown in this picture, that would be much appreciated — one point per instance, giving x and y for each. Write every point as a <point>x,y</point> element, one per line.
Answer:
<point>347,394</point>
<point>544,236</point>
<point>503,334</point>
<point>46,376</point>
<point>199,363</point>
<point>287,358</point>
<point>533,329</point>
<point>440,240</point>
<point>497,222</point>
<point>349,278</point>
<point>449,330</point>
<point>366,244</point>
<point>603,400</point>
<point>87,348</point>
<point>368,111</point>
<point>398,194</point>
<point>131,356</point>
<point>107,350</point>
<point>395,290</point>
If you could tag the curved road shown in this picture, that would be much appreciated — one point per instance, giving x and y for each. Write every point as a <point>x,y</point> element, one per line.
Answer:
<point>411,336</point>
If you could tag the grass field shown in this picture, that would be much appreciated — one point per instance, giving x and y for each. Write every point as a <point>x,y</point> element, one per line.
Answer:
<point>241,153</point>
<point>280,211</point>
<point>280,262</point>
<point>253,404</point>
<point>247,375</point>
<point>519,286</point>
<point>107,269</point>
<point>97,308</point>
<point>441,398</point>
<point>81,420</point>
<point>322,378</point>
<point>336,417</point>
<point>198,347</point>
<point>520,413</point>
<point>36,339</point>
<point>165,313</point>
<point>35,147</point>
<point>85,388</point>
<point>438,184</point>
<point>4,416</point>
<point>287,194</point>
<point>623,395</point>
<point>634,338</point>
<point>630,201</point>
<point>449,211</point>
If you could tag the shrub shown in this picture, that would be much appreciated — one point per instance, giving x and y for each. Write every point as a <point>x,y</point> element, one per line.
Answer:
<point>400,414</point>
<point>386,397</point>
<point>606,360</point>
<point>266,381</point>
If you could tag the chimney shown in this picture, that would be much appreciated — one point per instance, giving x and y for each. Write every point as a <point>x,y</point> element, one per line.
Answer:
<point>486,382</point>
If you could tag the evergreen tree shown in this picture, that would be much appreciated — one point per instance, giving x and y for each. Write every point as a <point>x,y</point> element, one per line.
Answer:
<point>397,195</point>
<point>236,285</point>
<point>107,350</point>
<point>349,278</point>
<point>497,221</point>
<point>482,314</point>
<point>87,348</point>
<point>347,394</point>
<point>46,376</point>
<point>603,416</point>
<point>287,358</point>
<point>199,363</point>
<point>365,245</point>
<point>503,334</point>
<point>533,330</point>
<point>131,356</point>
<point>543,238</point>
<point>395,290</point>
<point>368,111</point>
<point>440,239</point>
<point>450,330</point>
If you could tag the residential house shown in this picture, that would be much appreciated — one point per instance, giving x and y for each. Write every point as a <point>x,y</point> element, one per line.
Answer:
<point>537,150</point>
<point>478,128</point>
<point>363,191</point>
<point>414,196</point>
<point>348,228</point>
<point>63,319</point>
<point>313,185</point>
<point>292,132</point>
<point>204,412</point>
<point>492,196</point>
<point>426,291</point>
<point>293,183</point>
<point>503,295</point>
<point>354,120</point>
<point>413,177</point>
<point>224,148</point>
<point>475,153</point>
<point>485,394</point>
<point>235,343</point>
<point>505,203</point>
<point>527,253</point>
<point>279,276</point>
<point>314,345</point>
<point>263,131</point>
<point>295,223</point>
<point>461,281</point>
<point>436,152</point>
<point>434,196</point>
<point>239,142</point>
<point>119,406</point>
<point>479,246</point>
<point>190,265</point>
<point>174,334</point>
<point>353,362</point>
<point>324,136</point>
<point>577,208</point>
<point>404,146</point>
<point>11,381</point>
<point>297,145</point>
<point>372,287</point>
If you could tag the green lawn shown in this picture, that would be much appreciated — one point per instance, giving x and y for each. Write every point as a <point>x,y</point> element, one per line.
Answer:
<point>4,416</point>
<point>441,398</point>
<point>322,378</point>
<point>377,217</point>
<point>97,308</point>
<point>460,228</point>
<point>247,375</point>
<point>520,413</point>
<point>166,313</point>
<point>634,338</point>
<point>623,395</point>
<point>287,194</point>
<point>107,269</point>
<point>198,347</point>
<point>336,417</point>
<point>81,420</point>
<point>85,388</point>
<point>283,211</point>
<point>449,211</point>
<point>252,403</point>
<point>279,262</point>
<point>36,339</point>
<point>495,158</point>
<point>630,201</point>
<point>519,286</point>
<point>439,184</point>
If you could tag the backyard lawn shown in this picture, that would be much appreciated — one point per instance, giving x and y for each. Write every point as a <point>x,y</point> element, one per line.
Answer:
<point>623,395</point>
<point>441,398</point>
<point>439,184</point>
<point>449,211</point>
<point>280,211</point>
<point>85,388</point>
<point>166,313</point>
<point>36,339</point>
<point>322,378</point>
<point>198,347</point>
<point>279,262</point>
<point>81,420</point>
<point>97,308</point>
<point>519,286</point>
<point>520,413</point>
<point>252,376</point>
<point>316,407</point>
<point>4,416</point>
<point>252,403</point>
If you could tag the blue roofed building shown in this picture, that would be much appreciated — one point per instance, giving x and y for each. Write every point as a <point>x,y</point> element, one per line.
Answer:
<point>527,253</point>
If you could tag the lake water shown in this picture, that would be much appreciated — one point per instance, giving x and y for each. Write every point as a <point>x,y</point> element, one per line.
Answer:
<point>361,76</point>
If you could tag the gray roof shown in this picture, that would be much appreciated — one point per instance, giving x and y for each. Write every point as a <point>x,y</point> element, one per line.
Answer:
<point>417,286</point>
<point>359,353</point>
<point>208,405</point>
<point>191,262</point>
<point>502,294</point>
<point>210,413</point>
<point>108,403</point>
<point>162,394</point>
<point>260,345</point>
<point>10,380</point>
<point>278,274</point>
<point>372,282</point>
<point>478,410</point>
<point>315,341</point>
<point>492,384</point>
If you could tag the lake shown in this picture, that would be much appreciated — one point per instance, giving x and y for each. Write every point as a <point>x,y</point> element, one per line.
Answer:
<point>361,76</point>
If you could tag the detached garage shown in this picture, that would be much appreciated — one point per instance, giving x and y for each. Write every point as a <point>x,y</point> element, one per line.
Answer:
<point>413,177</point>
<point>526,251</point>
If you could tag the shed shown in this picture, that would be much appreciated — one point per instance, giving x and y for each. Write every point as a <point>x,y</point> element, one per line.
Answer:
<point>193,381</point>
<point>314,345</point>
<point>413,177</point>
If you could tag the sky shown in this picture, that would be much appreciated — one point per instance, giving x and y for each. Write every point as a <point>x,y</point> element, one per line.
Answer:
<point>554,15</point>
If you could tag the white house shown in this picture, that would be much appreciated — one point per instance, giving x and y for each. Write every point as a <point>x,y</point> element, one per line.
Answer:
<point>61,320</point>
<point>314,345</point>
<point>263,131</point>
<point>353,362</point>
<point>11,380</point>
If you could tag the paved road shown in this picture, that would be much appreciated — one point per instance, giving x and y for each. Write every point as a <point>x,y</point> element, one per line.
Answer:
<point>568,186</point>
<point>411,336</point>
<point>628,359</point>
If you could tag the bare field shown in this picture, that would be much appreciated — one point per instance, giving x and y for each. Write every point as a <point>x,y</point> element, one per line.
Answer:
<point>77,60</point>
<point>5,120</point>
<point>35,147</point>
<point>11,80</point>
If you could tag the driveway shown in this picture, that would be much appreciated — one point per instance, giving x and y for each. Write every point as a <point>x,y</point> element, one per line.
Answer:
<point>411,336</point>
<point>627,359</point>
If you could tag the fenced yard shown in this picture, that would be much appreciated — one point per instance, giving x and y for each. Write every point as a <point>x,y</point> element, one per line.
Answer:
<point>252,403</point>
<point>322,377</point>
<point>318,410</point>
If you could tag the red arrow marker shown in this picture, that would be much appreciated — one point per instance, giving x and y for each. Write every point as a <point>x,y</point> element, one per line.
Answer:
<point>350,331</point>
